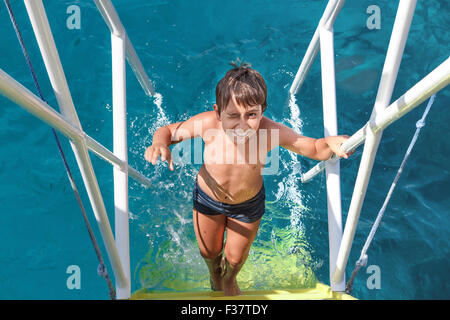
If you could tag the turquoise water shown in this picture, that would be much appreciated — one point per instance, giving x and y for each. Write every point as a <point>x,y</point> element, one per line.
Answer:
<point>185,47</point>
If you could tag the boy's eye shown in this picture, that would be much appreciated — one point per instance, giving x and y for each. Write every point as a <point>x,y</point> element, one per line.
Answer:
<point>253,114</point>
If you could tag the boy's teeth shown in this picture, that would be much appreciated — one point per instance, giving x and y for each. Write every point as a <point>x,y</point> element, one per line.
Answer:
<point>243,134</point>
<point>240,134</point>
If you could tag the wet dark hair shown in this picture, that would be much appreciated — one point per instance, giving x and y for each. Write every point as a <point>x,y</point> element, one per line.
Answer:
<point>246,84</point>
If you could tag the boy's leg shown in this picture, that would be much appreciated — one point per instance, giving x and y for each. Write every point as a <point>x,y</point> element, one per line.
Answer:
<point>209,230</point>
<point>240,236</point>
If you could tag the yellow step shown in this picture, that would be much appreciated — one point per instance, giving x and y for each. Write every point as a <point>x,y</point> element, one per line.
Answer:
<point>320,292</point>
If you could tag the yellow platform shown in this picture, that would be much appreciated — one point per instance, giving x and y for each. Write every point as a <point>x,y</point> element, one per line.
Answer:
<point>320,292</point>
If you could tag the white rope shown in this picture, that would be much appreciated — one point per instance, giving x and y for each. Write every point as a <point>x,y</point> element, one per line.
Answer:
<point>362,261</point>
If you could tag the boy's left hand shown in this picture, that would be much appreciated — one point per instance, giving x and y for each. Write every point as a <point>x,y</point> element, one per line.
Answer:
<point>335,143</point>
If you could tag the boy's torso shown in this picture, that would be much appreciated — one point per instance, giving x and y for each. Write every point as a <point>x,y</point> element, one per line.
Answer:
<point>231,172</point>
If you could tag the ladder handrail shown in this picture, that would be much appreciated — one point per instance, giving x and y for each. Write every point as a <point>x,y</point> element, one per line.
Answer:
<point>24,98</point>
<point>429,85</point>
<point>382,114</point>
<point>68,124</point>
<point>330,13</point>
<point>49,52</point>
<point>397,42</point>
<point>323,40</point>
<point>121,49</point>
<point>112,19</point>
<point>330,124</point>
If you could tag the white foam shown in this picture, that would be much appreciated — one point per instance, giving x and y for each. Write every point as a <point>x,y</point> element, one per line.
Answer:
<point>295,121</point>
<point>162,118</point>
<point>292,181</point>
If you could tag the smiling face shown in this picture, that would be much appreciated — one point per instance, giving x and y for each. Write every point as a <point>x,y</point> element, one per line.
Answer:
<point>238,121</point>
<point>241,99</point>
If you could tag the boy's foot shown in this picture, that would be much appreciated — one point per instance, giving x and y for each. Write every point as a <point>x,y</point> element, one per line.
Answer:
<point>213,286</point>
<point>230,286</point>
<point>215,271</point>
<point>216,282</point>
<point>231,289</point>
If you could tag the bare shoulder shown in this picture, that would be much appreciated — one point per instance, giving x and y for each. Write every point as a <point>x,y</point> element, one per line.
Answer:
<point>273,130</point>
<point>286,136</point>
<point>204,121</point>
<point>268,124</point>
<point>209,119</point>
<point>193,127</point>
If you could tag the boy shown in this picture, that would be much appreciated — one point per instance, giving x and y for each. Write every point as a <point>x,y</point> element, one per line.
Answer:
<point>229,192</point>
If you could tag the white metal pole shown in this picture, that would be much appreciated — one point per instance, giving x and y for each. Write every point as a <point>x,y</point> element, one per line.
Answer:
<point>120,150</point>
<point>112,19</point>
<point>332,169</point>
<point>20,95</point>
<point>55,72</point>
<point>330,13</point>
<point>394,55</point>
<point>24,98</point>
<point>108,156</point>
<point>436,80</point>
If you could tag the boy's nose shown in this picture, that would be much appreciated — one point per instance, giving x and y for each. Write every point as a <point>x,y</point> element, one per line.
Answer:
<point>243,125</point>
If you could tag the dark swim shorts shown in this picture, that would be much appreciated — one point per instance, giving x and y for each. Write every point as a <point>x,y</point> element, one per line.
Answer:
<point>247,211</point>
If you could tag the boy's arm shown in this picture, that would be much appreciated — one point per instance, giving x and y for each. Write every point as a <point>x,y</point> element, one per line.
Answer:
<point>188,129</point>
<point>317,149</point>
<point>177,132</point>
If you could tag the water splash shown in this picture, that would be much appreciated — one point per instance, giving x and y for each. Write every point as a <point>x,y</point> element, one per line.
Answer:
<point>175,264</point>
<point>291,182</point>
<point>295,121</point>
<point>161,117</point>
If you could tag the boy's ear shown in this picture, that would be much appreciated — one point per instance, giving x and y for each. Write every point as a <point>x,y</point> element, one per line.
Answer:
<point>216,109</point>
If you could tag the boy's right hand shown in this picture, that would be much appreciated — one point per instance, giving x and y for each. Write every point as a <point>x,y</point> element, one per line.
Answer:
<point>152,153</point>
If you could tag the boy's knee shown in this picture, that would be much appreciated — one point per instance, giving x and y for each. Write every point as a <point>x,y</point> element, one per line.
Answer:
<point>234,261</point>
<point>211,254</point>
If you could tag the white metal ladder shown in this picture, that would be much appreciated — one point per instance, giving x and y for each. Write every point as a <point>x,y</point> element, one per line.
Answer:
<point>383,115</point>
<point>68,124</point>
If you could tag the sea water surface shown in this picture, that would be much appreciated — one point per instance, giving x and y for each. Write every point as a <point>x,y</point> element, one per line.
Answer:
<point>185,47</point>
